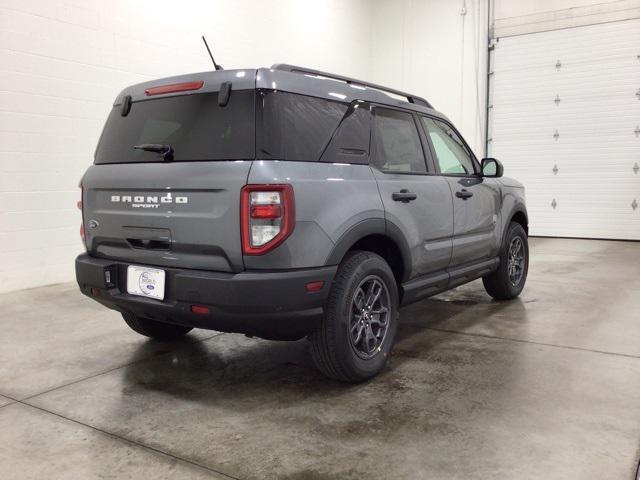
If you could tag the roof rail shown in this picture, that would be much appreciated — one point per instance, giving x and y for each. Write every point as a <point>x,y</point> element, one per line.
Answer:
<point>295,69</point>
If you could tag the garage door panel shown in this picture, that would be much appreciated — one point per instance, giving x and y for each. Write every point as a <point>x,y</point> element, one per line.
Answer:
<point>578,45</point>
<point>567,131</point>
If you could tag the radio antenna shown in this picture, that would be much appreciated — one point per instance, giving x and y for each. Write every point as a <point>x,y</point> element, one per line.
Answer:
<point>218,67</point>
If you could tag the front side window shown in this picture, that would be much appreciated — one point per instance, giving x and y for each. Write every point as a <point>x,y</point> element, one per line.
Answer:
<point>397,144</point>
<point>451,153</point>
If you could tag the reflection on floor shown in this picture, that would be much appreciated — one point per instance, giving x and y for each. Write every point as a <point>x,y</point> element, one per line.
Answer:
<point>547,386</point>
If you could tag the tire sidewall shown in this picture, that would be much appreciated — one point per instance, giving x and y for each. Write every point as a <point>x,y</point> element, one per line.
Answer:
<point>365,368</point>
<point>515,230</point>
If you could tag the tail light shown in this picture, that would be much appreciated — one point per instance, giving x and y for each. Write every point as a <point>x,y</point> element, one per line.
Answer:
<point>267,217</point>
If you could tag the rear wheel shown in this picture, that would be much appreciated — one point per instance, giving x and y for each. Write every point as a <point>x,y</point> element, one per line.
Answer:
<point>155,329</point>
<point>508,280</point>
<point>359,326</point>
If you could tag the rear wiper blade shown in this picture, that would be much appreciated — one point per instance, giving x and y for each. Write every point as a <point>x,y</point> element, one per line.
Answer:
<point>166,151</point>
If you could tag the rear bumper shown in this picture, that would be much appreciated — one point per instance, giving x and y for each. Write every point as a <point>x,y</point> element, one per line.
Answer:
<point>268,304</point>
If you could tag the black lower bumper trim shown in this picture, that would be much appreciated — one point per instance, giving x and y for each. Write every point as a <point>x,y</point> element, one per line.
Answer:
<point>268,304</point>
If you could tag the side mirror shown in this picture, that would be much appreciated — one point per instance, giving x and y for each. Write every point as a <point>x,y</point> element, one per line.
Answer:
<point>491,167</point>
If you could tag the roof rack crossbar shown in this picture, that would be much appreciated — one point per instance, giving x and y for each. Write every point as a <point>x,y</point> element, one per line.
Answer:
<point>295,69</point>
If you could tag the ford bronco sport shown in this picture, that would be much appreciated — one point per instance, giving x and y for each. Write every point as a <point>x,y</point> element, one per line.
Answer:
<point>286,202</point>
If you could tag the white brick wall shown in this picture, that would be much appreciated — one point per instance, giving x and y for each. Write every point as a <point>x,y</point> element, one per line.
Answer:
<point>63,62</point>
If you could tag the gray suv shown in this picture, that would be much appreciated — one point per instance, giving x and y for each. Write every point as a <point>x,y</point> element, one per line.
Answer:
<point>286,202</point>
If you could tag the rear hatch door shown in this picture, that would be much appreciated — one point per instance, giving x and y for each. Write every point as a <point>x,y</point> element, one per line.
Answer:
<point>180,210</point>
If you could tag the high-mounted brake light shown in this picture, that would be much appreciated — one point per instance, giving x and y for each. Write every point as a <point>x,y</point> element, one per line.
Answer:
<point>267,217</point>
<point>174,88</point>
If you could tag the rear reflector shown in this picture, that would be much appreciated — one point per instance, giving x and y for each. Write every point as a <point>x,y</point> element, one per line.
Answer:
<point>95,291</point>
<point>314,286</point>
<point>174,87</point>
<point>200,309</point>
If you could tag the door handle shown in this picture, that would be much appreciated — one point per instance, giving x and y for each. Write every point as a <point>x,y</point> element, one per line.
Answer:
<point>464,194</point>
<point>404,196</point>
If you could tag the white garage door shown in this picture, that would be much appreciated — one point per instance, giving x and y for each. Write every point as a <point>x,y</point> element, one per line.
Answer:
<point>565,120</point>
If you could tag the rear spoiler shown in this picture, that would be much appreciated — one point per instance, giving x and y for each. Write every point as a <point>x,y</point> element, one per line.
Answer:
<point>308,71</point>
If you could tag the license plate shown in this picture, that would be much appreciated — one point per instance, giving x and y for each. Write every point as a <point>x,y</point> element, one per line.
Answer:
<point>145,282</point>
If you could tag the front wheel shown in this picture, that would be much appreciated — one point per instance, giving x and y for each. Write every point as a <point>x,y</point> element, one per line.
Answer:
<point>508,280</point>
<point>360,322</point>
<point>155,329</point>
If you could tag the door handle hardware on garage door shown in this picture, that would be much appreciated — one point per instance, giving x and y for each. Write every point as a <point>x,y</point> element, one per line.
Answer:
<point>404,196</point>
<point>635,168</point>
<point>464,194</point>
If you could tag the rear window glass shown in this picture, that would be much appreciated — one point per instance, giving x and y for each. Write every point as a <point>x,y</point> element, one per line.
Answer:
<point>195,126</point>
<point>295,127</point>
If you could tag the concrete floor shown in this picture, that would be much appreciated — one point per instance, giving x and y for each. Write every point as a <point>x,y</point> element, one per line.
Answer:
<point>547,386</point>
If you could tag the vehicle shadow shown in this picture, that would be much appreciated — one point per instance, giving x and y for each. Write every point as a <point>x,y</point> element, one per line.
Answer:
<point>248,375</point>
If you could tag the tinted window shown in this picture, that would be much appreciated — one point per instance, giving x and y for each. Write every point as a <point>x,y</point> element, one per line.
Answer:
<point>350,142</point>
<point>195,126</point>
<point>398,147</point>
<point>451,153</point>
<point>295,127</point>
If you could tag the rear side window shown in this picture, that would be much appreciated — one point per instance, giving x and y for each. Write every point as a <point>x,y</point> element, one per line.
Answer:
<point>397,144</point>
<point>295,127</point>
<point>350,142</point>
<point>195,126</point>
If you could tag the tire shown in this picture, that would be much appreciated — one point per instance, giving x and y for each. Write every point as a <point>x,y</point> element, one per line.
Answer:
<point>499,284</point>
<point>154,329</point>
<point>351,346</point>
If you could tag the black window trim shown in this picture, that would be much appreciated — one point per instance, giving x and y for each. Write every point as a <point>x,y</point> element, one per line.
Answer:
<point>474,160</point>
<point>426,152</point>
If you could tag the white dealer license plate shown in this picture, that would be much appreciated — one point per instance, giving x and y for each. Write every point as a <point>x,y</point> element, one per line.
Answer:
<point>145,281</point>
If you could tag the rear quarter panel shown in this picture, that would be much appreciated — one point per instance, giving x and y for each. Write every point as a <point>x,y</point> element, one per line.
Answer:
<point>330,199</point>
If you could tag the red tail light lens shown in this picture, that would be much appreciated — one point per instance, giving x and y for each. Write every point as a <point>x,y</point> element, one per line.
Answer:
<point>267,217</point>
<point>174,88</point>
<point>266,211</point>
